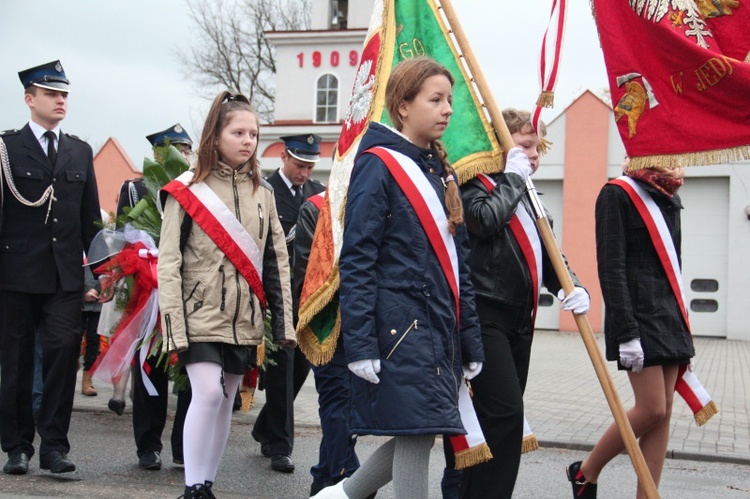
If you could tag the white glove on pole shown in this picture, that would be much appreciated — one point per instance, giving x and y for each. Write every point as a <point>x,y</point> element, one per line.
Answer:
<point>472,369</point>
<point>631,355</point>
<point>367,369</point>
<point>578,300</point>
<point>518,163</point>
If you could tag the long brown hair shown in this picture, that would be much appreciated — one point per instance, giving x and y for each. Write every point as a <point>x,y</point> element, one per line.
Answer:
<point>404,84</point>
<point>221,109</point>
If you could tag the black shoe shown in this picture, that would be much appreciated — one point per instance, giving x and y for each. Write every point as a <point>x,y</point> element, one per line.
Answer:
<point>209,492</point>
<point>116,406</point>
<point>581,488</point>
<point>178,461</point>
<point>197,491</point>
<point>18,464</point>
<point>282,463</point>
<point>150,461</point>
<point>56,462</point>
<point>265,447</point>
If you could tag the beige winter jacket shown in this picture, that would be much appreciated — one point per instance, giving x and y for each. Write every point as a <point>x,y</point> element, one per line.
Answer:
<point>202,297</point>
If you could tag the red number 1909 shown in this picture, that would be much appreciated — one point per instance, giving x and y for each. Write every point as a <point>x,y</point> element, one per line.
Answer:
<point>334,58</point>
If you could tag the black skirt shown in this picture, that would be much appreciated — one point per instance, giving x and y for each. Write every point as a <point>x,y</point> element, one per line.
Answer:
<point>234,359</point>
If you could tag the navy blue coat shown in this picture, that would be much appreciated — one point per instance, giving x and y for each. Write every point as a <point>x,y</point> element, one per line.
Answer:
<point>396,304</point>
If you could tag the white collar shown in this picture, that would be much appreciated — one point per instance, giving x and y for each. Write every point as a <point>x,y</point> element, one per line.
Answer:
<point>288,182</point>
<point>39,130</point>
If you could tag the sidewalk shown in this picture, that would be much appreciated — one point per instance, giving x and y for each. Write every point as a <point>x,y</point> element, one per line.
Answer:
<point>566,407</point>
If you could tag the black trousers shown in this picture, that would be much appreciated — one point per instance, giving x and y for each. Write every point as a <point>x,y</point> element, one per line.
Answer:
<point>498,401</point>
<point>150,412</point>
<point>89,325</point>
<point>282,382</point>
<point>58,318</point>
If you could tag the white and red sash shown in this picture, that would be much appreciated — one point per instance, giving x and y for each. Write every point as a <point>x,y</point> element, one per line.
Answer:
<point>524,230</point>
<point>688,385</point>
<point>660,237</point>
<point>472,448</point>
<point>221,225</point>
<point>429,210</point>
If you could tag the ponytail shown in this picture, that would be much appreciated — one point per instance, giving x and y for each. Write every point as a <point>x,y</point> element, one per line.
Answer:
<point>452,197</point>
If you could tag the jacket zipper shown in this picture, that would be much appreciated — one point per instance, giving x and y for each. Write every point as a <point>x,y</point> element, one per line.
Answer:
<point>260,216</point>
<point>223,288</point>
<point>454,334</point>
<point>414,325</point>
<point>236,273</point>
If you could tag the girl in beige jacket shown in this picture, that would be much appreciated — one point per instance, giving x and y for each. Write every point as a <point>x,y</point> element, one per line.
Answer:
<point>222,263</point>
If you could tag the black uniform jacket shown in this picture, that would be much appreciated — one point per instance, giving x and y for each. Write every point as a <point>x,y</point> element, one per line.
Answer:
<point>287,207</point>
<point>33,254</point>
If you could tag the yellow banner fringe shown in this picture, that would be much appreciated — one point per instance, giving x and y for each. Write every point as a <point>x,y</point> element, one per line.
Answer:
<point>702,416</point>
<point>473,455</point>
<point>529,444</point>
<point>703,158</point>
<point>546,99</point>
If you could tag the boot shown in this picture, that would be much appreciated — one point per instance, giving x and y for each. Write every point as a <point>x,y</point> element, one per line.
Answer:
<point>197,491</point>
<point>87,388</point>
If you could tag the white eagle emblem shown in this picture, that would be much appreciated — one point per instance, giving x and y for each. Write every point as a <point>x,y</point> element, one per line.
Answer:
<point>655,10</point>
<point>359,103</point>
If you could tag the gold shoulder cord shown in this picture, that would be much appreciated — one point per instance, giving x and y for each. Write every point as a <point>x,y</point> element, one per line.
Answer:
<point>7,174</point>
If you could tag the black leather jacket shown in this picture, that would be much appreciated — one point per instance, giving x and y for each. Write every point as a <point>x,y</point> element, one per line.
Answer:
<point>498,269</point>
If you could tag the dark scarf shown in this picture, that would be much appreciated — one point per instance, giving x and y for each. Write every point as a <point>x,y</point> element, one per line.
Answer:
<point>659,180</point>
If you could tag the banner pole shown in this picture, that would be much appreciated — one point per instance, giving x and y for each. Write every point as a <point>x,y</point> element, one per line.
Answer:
<point>555,255</point>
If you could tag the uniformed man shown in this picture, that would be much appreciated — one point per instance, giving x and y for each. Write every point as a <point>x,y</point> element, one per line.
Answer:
<point>150,412</point>
<point>274,427</point>
<point>50,207</point>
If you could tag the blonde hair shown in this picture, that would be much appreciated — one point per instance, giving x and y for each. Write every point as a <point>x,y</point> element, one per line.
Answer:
<point>518,120</point>
<point>221,109</point>
<point>404,84</point>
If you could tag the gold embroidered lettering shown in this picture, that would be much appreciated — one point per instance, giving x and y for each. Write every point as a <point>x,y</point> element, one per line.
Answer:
<point>677,84</point>
<point>712,72</point>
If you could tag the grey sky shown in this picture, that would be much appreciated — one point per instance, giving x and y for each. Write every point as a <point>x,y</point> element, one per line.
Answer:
<point>126,81</point>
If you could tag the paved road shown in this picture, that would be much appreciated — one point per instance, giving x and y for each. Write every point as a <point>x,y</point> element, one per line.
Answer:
<point>105,455</point>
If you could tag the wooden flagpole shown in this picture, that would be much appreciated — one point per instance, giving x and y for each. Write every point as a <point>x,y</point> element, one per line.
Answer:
<point>555,255</point>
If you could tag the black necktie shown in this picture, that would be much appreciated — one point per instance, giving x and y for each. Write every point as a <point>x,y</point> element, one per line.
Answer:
<point>51,151</point>
<point>298,194</point>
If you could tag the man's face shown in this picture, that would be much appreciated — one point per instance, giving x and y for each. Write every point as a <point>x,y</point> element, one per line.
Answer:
<point>296,170</point>
<point>186,150</point>
<point>528,140</point>
<point>48,107</point>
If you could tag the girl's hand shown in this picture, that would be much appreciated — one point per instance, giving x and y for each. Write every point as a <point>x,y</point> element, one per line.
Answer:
<point>286,343</point>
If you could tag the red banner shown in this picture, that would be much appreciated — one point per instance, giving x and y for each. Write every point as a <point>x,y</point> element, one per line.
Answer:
<point>679,78</point>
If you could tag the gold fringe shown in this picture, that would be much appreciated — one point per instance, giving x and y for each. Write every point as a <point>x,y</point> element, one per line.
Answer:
<point>318,300</point>
<point>702,158</point>
<point>530,443</point>
<point>473,455</point>
<point>489,166</point>
<point>319,353</point>
<point>546,99</point>
<point>260,353</point>
<point>247,394</point>
<point>702,416</point>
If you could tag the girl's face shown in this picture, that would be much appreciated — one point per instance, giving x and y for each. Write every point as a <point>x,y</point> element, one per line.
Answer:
<point>239,139</point>
<point>426,117</point>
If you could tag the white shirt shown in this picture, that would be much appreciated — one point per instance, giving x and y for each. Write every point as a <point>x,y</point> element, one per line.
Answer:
<point>286,181</point>
<point>39,131</point>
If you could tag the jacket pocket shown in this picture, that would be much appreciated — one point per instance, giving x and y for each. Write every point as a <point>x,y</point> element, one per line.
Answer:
<point>413,326</point>
<point>194,300</point>
<point>13,246</point>
<point>75,175</point>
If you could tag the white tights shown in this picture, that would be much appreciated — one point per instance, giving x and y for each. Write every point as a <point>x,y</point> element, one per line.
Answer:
<point>207,421</point>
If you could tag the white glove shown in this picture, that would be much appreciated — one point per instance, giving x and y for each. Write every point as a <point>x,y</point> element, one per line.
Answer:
<point>691,365</point>
<point>367,369</point>
<point>578,300</point>
<point>518,163</point>
<point>631,355</point>
<point>472,369</point>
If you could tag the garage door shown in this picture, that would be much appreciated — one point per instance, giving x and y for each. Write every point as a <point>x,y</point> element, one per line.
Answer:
<point>705,232</point>
<point>548,313</point>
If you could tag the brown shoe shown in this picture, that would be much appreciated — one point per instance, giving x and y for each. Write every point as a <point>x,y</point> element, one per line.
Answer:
<point>87,388</point>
